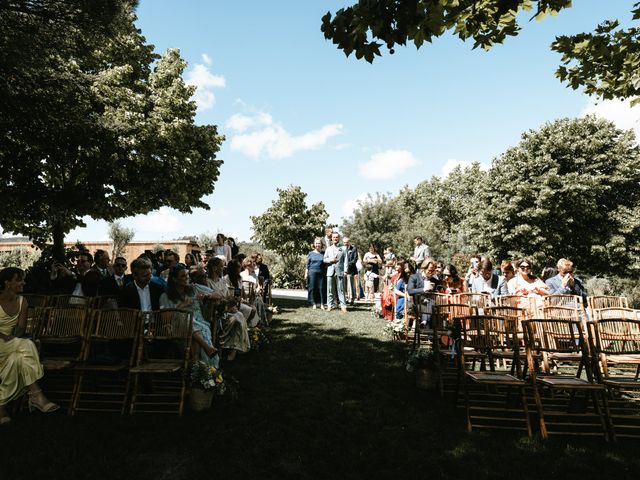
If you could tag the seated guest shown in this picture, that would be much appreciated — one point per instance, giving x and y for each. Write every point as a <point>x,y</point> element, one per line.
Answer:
<point>392,274</point>
<point>529,286</point>
<point>425,280</point>
<point>80,281</point>
<point>235,334</point>
<point>141,294</point>
<point>486,281</point>
<point>20,366</point>
<point>181,294</point>
<point>248,275</point>
<point>547,273</point>
<point>170,259</point>
<point>234,247</point>
<point>114,283</point>
<point>102,264</point>
<point>507,274</point>
<point>565,283</point>
<point>233,280</point>
<point>452,282</point>
<point>190,260</point>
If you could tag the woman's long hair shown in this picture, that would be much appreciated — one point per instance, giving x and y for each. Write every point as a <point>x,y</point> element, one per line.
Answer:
<point>7,274</point>
<point>233,271</point>
<point>212,266</point>
<point>172,292</point>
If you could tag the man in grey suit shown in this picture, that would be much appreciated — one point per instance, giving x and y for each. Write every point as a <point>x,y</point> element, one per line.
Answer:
<point>334,257</point>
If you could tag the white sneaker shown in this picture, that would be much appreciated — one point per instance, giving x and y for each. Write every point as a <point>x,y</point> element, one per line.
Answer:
<point>314,307</point>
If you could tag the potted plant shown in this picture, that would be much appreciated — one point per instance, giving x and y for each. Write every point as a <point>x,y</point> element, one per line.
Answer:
<point>206,381</point>
<point>423,363</point>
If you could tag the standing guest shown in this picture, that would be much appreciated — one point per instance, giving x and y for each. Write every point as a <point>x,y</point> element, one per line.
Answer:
<point>507,274</point>
<point>326,240</point>
<point>141,294</point>
<point>264,276</point>
<point>421,252</point>
<point>181,294</point>
<point>20,366</point>
<point>452,282</point>
<point>221,249</point>
<point>387,300</point>
<point>401,286</point>
<point>369,282</point>
<point>389,254</point>
<point>314,274</point>
<point>233,246</point>
<point>565,283</point>
<point>170,259</point>
<point>350,268</point>
<point>334,257</point>
<point>372,258</point>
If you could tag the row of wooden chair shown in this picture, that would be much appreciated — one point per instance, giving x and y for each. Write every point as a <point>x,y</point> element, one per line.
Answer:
<point>104,353</point>
<point>607,342</point>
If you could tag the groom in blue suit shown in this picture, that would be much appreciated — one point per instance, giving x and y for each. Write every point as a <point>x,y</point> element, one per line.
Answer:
<point>335,258</point>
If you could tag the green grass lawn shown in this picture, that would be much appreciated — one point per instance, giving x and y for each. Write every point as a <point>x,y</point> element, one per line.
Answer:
<point>327,398</point>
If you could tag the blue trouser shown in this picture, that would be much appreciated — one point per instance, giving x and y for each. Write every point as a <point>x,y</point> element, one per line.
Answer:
<point>335,284</point>
<point>316,288</point>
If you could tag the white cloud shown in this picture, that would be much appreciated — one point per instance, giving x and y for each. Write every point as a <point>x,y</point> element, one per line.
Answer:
<point>161,221</point>
<point>619,112</point>
<point>273,140</point>
<point>205,81</point>
<point>350,205</point>
<point>451,164</point>
<point>241,123</point>
<point>387,164</point>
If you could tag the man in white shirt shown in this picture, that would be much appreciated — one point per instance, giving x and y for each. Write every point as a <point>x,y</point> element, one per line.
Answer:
<point>421,252</point>
<point>334,257</point>
<point>141,294</point>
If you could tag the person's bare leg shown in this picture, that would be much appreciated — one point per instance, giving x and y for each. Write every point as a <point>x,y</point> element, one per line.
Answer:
<point>210,349</point>
<point>38,398</point>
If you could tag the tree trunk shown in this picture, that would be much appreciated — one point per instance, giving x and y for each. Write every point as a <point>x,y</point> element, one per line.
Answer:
<point>58,251</point>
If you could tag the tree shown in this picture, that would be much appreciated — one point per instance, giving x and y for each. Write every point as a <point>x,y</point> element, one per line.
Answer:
<point>120,237</point>
<point>605,63</point>
<point>88,118</point>
<point>288,226</point>
<point>569,189</point>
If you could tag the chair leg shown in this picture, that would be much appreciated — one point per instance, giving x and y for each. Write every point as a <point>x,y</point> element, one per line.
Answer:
<point>77,390</point>
<point>525,409</point>
<point>134,393</point>
<point>466,402</point>
<point>538,399</point>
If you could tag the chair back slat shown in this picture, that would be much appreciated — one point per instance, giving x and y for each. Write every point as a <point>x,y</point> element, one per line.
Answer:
<point>607,301</point>
<point>554,335</point>
<point>64,322</point>
<point>616,312</point>
<point>477,300</point>
<point>117,324</point>
<point>616,336</point>
<point>444,315</point>
<point>484,332</point>
<point>170,324</point>
<point>557,300</point>
<point>510,301</point>
<point>76,301</point>
<point>560,313</point>
<point>513,316</point>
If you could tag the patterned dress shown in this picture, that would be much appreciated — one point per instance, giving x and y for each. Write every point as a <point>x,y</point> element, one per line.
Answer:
<point>19,360</point>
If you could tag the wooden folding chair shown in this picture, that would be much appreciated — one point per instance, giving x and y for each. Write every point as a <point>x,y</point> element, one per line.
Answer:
<point>35,310</point>
<point>164,350</point>
<point>105,302</point>
<point>513,319</point>
<point>558,300</point>
<point>64,301</point>
<point>493,407</point>
<point>616,312</point>
<point>607,301</point>
<point>558,413</point>
<point>479,301</point>
<point>62,336</point>
<point>249,289</point>
<point>102,377</point>
<point>510,301</point>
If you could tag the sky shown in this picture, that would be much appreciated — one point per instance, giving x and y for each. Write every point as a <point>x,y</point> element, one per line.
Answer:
<point>296,111</point>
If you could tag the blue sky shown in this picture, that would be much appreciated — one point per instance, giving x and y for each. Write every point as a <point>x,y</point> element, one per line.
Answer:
<point>295,110</point>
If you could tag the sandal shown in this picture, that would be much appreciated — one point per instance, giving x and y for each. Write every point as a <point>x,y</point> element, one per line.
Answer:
<point>46,408</point>
<point>6,420</point>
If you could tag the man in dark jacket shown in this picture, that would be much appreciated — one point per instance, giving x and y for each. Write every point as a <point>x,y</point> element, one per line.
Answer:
<point>141,294</point>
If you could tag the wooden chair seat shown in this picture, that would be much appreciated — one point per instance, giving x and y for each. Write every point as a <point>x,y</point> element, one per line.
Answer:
<point>622,382</point>
<point>102,368</point>
<point>56,364</point>
<point>633,359</point>
<point>559,381</point>
<point>160,366</point>
<point>494,377</point>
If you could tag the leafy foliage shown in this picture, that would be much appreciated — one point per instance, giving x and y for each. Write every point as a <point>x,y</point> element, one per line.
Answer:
<point>604,63</point>
<point>120,236</point>
<point>569,189</point>
<point>20,257</point>
<point>89,117</point>
<point>288,227</point>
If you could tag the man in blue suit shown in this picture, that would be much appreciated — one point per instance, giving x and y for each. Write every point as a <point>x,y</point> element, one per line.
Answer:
<point>335,258</point>
<point>564,283</point>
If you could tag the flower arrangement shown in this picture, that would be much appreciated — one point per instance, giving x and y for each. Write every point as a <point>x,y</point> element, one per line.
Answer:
<point>423,358</point>
<point>207,377</point>
<point>394,329</point>
<point>273,309</point>
<point>258,338</point>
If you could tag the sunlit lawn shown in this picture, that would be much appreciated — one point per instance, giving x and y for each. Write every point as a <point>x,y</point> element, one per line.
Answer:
<point>327,398</point>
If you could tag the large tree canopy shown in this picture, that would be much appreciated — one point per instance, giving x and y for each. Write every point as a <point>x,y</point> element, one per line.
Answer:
<point>604,63</point>
<point>90,116</point>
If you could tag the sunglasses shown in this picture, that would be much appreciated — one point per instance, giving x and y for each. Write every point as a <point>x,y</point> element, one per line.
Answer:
<point>524,267</point>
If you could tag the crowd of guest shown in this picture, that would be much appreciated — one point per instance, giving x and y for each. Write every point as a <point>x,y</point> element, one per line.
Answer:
<point>221,280</point>
<point>337,275</point>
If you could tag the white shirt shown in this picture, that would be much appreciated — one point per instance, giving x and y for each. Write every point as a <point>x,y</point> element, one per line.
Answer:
<point>420,253</point>
<point>145,297</point>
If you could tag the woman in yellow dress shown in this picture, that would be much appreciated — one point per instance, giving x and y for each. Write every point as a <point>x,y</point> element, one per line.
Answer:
<point>20,366</point>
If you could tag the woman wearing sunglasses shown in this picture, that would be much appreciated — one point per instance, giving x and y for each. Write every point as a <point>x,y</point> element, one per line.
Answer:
<point>525,283</point>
